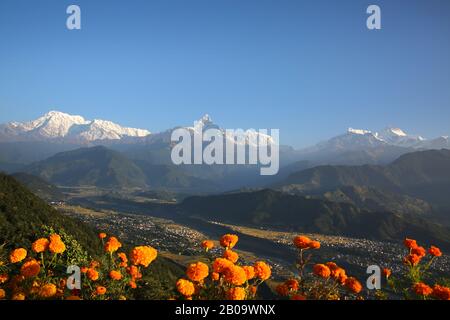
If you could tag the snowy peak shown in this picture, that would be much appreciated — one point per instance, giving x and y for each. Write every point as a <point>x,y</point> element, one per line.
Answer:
<point>358,131</point>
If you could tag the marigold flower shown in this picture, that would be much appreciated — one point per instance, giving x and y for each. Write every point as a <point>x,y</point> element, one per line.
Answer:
<point>249,271</point>
<point>337,273</point>
<point>314,245</point>
<point>298,297</point>
<point>47,291</point>
<point>207,245</point>
<point>422,289</point>
<point>185,287</point>
<point>342,279</point>
<point>231,255</point>
<point>40,245</point>
<point>353,285</point>
<point>112,245</point>
<point>56,245</point>
<point>143,255</point>
<point>84,269</point>
<point>302,242</point>
<point>435,251</point>
<point>73,298</point>
<point>235,275</point>
<point>221,264</point>
<point>292,284</point>
<point>100,290</point>
<point>282,290</point>
<point>115,275</point>
<point>332,265</point>
<point>2,294</point>
<point>134,272</point>
<point>94,264</point>
<point>18,296</point>
<point>410,243</point>
<point>17,255</point>
<point>229,241</point>
<point>236,293</point>
<point>321,270</point>
<point>102,235</point>
<point>30,269</point>
<point>3,278</point>
<point>197,271</point>
<point>412,259</point>
<point>92,274</point>
<point>420,251</point>
<point>387,272</point>
<point>252,290</point>
<point>123,258</point>
<point>215,276</point>
<point>132,284</point>
<point>441,292</point>
<point>262,270</point>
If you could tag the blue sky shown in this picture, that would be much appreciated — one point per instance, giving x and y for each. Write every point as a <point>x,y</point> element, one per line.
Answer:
<point>310,68</point>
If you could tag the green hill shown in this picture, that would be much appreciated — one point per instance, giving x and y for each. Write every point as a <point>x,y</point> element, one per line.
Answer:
<point>43,189</point>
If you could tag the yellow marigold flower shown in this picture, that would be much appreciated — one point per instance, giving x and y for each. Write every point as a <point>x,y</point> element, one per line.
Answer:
<point>134,272</point>
<point>262,270</point>
<point>40,245</point>
<point>314,245</point>
<point>249,271</point>
<point>221,264</point>
<point>321,270</point>
<point>56,245</point>
<point>18,296</point>
<point>435,251</point>
<point>73,298</point>
<point>115,275</point>
<point>231,255</point>
<point>92,274</point>
<point>215,276</point>
<point>302,242</point>
<point>17,255</point>
<point>112,245</point>
<point>236,293</point>
<point>2,294</point>
<point>100,290</point>
<point>143,255</point>
<point>422,289</point>
<point>197,271</point>
<point>47,291</point>
<point>207,245</point>
<point>30,269</point>
<point>229,240</point>
<point>235,275</point>
<point>353,285</point>
<point>3,278</point>
<point>102,235</point>
<point>185,287</point>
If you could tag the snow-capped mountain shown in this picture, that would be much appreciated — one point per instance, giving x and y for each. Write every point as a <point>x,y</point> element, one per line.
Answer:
<point>59,126</point>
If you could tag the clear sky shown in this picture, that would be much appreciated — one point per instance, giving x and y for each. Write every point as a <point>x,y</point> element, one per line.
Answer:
<point>310,68</point>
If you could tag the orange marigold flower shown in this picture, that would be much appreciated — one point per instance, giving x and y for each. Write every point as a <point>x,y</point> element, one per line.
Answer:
<point>441,292</point>
<point>3,278</point>
<point>207,245</point>
<point>143,255</point>
<point>321,270</point>
<point>282,290</point>
<point>56,245</point>
<point>412,259</point>
<point>17,255</point>
<point>249,271</point>
<point>100,290</point>
<point>252,290</point>
<point>47,291</point>
<point>420,251</point>
<point>235,275</point>
<point>115,275</point>
<point>73,298</point>
<point>124,260</point>
<point>134,272</point>
<point>337,273</point>
<point>435,251</point>
<point>236,293</point>
<point>2,294</point>
<point>387,272</point>
<point>292,284</point>
<point>132,284</point>
<point>94,264</point>
<point>40,245</point>
<point>302,242</point>
<point>84,269</point>
<point>92,274</point>
<point>332,265</point>
<point>229,241</point>
<point>314,245</point>
<point>410,243</point>
<point>102,235</point>
<point>422,289</point>
<point>30,269</point>
<point>298,297</point>
<point>342,279</point>
<point>262,270</point>
<point>185,287</point>
<point>18,296</point>
<point>215,276</point>
<point>221,264</point>
<point>353,285</point>
<point>112,245</point>
<point>231,255</point>
<point>197,271</point>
